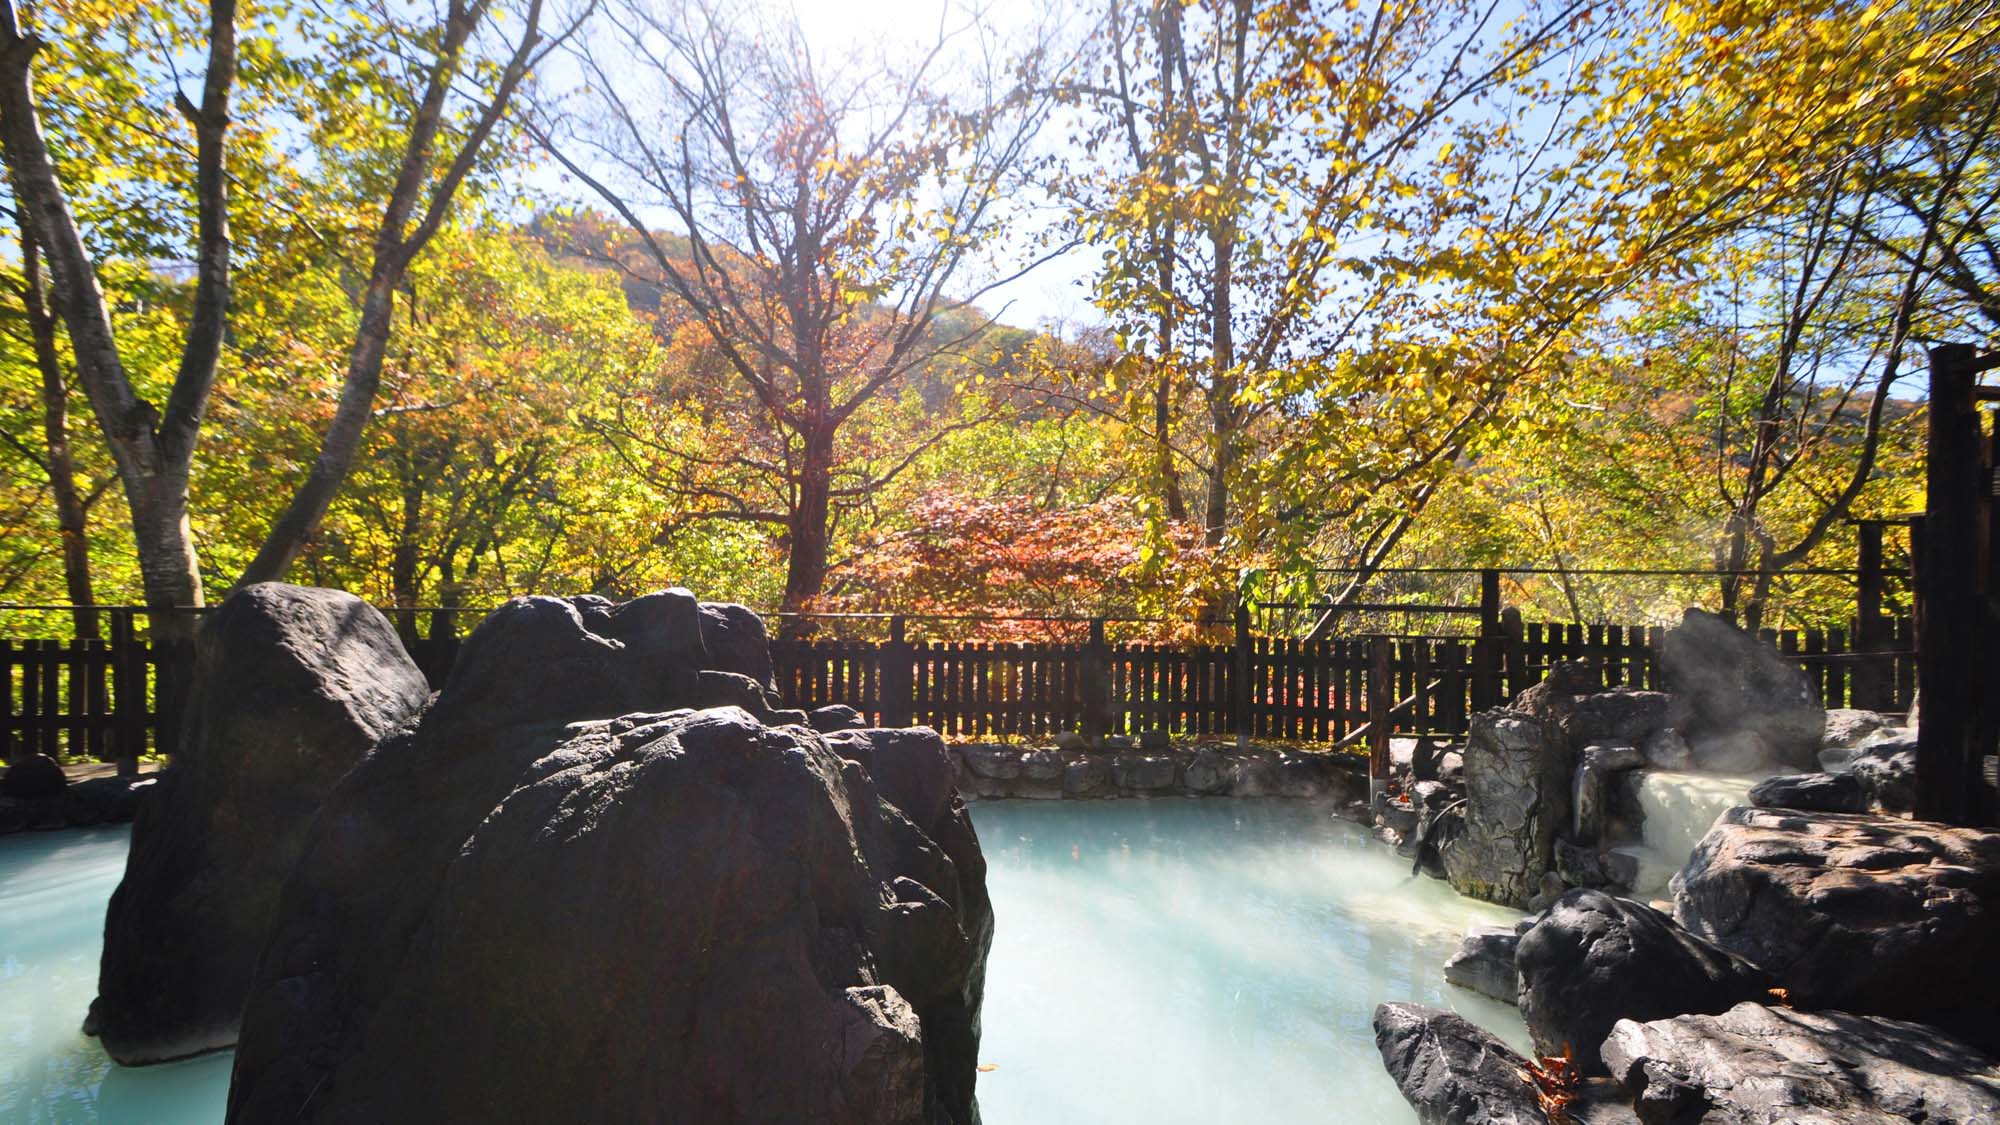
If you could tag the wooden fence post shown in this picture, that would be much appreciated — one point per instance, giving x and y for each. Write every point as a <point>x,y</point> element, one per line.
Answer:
<point>1487,651</point>
<point>1239,678</point>
<point>1515,643</point>
<point>1381,698</point>
<point>899,697</point>
<point>128,690</point>
<point>1870,627</point>
<point>8,753</point>
<point>1955,625</point>
<point>1096,684</point>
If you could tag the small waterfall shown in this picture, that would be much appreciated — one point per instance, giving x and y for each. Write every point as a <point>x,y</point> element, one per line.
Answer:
<point>1679,807</point>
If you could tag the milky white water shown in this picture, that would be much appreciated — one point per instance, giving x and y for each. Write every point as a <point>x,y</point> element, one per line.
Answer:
<point>1680,807</point>
<point>1155,962</point>
<point>53,887</point>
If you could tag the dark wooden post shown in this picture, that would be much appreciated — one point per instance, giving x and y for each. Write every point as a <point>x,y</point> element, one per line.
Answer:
<point>1488,651</point>
<point>1096,682</point>
<point>899,681</point>
<point>128,686</point>
<point>1954,618</point>
<point>1870,628</point>
<point>8,753</point>
<point>1381,699</point>
<point>1239,677</point>
<point>1516,644</point>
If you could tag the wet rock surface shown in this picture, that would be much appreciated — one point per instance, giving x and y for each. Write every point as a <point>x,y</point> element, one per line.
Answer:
<point>1866,914</point>
<point>1517,778</point>
<point>1810,792</point>
<point>1594,959</point>
<point>608,907</point>
<point>1760,1065</point>
<point>1484,963</point>
<point>292,687</point>
<point>1451,1071</point>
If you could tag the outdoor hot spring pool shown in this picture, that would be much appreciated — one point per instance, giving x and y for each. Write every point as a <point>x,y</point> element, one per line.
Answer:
<point>1155,961</point>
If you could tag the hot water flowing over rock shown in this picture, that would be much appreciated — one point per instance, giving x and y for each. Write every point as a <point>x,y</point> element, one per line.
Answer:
<point>292,687</point>
<point>1753,708</point>
<point>1676,809</point>
<point>565,897</point>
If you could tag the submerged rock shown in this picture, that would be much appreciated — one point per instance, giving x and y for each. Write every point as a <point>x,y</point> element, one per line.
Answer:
<point>1594,959</point>
<point>1752,706</point>
<point>604,908</point>
<point>1758,1065</point>
<point>1866,914</point>
<point>1484,963</point>
<point>1451,1071</point>
<point>292,686</point>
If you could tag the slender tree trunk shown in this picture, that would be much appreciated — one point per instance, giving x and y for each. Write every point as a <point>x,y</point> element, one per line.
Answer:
<point>805,569</point>
<point>294,529</point>
<point>1164,255</point>
<point>397,243</point>
<point>72,518</point>
<point>1221,394</point>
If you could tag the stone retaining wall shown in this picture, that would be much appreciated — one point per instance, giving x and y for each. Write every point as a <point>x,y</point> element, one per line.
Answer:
<point>987,771</point>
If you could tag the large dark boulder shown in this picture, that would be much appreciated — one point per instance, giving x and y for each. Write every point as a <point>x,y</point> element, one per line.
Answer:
<point>1759,1065</point>
<point>585,902</point>
<point>32,778</point>
<point>1752,706</point>
<point>1594,959</point>
<point>292,686</point>
<point>1451,1071</point>
<point>1517,787</point>
<point>736,642</point>
<point>1867,914</point>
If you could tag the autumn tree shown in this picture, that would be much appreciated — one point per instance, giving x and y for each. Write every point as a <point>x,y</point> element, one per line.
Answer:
<point>153,447</point>
<point>1292,205</point>
<point>1837,163</point>
<point>446,135</point>
<point>819,226</point>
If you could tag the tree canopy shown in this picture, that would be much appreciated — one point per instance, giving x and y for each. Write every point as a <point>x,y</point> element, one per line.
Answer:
<point>444,305</point>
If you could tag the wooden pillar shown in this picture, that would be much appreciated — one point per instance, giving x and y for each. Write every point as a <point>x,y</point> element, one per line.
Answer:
<point>1239,678</point>
<point>1516,645</point>
<point>1488,652</point>
<point>1955,619</point>
<point>1096,684</point>
<point>1871,676</point>
<point>899,681</point>
<point>1381,698</point>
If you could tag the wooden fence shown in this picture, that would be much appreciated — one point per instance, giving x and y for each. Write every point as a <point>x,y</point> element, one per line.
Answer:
<point>1334,691</point>
<point>111,698</point>
<point>85,697</point>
